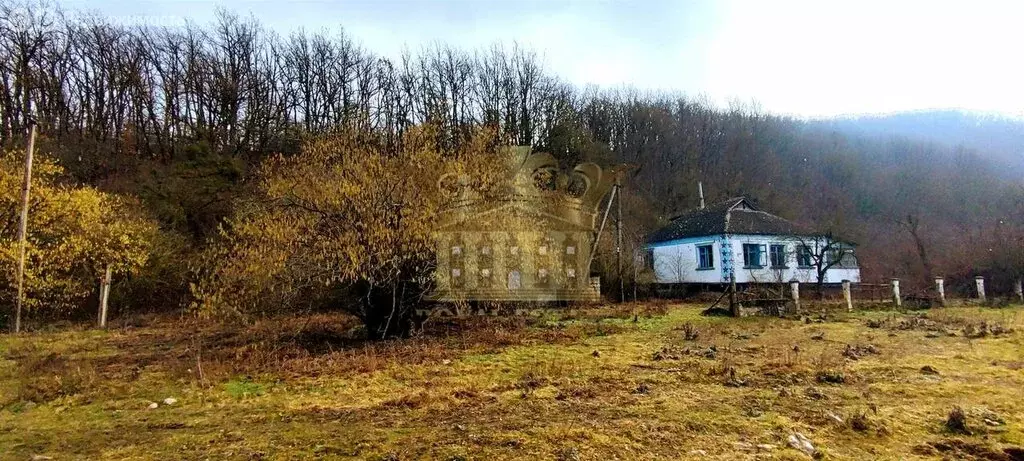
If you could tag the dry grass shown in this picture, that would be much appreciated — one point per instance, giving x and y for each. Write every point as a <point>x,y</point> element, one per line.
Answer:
<point>626,382</point>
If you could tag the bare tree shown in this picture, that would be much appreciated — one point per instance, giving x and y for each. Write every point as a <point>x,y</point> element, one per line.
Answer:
<point>912,224</point>
<point>821,253</point>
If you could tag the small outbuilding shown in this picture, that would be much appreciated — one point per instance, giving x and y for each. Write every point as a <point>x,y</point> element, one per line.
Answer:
<point>734,239</point>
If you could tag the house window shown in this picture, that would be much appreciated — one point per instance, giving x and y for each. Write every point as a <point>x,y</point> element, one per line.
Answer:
<point>570,250</point>
<point>849,259</point>
<point>777,253</point>
<point>485,250</point>
<point>515,280</point>
<point>456,277</point>
<point>753,255</point>
<point>542,276</point>
<point>803,256</point>
<point>485,278</point>
<point>456,250</point>
<point>514,250</point>
<point>570,272</point>
<point>542,250</point>
<point>705,257</point>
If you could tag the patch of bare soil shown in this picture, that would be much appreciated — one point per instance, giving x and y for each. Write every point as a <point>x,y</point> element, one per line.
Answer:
<point>967,450</point>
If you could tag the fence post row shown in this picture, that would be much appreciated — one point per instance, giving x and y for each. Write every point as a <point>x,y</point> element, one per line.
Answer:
<point>897,298</point>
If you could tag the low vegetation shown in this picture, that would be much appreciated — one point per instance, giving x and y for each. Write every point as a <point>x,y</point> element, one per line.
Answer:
<point>626,382</point>
<point>213,128</point>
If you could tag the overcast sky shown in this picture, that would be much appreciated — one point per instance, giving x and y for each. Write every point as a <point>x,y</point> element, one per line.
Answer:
<point>797,57</point>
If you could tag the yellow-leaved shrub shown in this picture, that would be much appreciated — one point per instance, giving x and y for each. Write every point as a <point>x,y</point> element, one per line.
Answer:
<point>74,233</point>
<point>350,214</point>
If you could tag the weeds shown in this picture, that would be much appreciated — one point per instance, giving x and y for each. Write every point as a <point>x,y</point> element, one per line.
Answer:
<point>575,392</point>
<point>690,332</point>
<point>480,385</point>
<point>242,388</point>
<point>830,377</point>
<point>530,382</point>
<point>956,422</point>
<point>49,376</point>
<point>857,352</point>
<point>860,422</point>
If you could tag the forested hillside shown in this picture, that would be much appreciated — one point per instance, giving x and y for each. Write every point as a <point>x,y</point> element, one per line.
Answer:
<point>181,117</point>
<point>998,138</point>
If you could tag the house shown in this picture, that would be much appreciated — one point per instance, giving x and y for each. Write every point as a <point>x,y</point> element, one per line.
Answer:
<point>734,239</point>
<point>534,243</point>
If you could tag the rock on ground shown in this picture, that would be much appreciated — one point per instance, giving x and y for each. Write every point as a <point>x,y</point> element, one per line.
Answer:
<point>801,442</point>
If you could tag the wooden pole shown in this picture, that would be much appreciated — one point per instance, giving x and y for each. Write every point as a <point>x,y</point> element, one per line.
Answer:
<point>597,238</point>
<point>23,222</point>
<point>618,241</point>
<point>734,306</point>
<point>940,287</point>
<point>1019,290</point>
<point>104,297</point>
<point>636,270</point>
<point>896,299</point>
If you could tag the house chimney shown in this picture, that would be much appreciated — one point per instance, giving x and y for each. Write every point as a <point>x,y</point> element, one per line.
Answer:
<point>700,191</point>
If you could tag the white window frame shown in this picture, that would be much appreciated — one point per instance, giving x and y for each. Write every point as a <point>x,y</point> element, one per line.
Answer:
<point>711,255</point>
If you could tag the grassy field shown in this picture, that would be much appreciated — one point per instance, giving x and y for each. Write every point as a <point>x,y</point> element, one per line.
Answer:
<point>592,384</point>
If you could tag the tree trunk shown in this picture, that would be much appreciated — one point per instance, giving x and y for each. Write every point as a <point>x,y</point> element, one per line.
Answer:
<point>386,310</point>
<point>913,224</point>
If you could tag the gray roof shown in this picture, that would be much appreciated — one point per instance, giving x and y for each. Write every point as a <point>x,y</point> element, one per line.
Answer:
<point>732,216</point>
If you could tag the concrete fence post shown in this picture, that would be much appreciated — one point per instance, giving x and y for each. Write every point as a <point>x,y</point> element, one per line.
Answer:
<point>847,296</point>
<point>940,288</point>
<point>979,285</point>
<point>794,291</point>
<point>896,300</point>
<point>1019,290</point>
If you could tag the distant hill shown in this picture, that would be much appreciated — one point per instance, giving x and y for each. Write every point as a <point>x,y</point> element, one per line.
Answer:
<point>996,137</point>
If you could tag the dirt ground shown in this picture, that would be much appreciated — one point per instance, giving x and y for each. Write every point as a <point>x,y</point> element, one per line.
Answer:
<point>630,382</point>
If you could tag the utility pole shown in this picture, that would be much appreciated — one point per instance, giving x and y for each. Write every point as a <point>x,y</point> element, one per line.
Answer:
<point>23,223</point>
<point>600,230</point>
<point>618,239</point>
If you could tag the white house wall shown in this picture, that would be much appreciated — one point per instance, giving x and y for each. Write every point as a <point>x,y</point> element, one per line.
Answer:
<point>676,262</point>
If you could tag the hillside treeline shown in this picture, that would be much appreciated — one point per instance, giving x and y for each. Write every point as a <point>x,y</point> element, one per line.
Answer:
<point>179,117</point>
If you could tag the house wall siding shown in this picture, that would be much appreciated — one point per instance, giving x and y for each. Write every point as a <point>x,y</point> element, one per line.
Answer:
<point>676,261</point>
